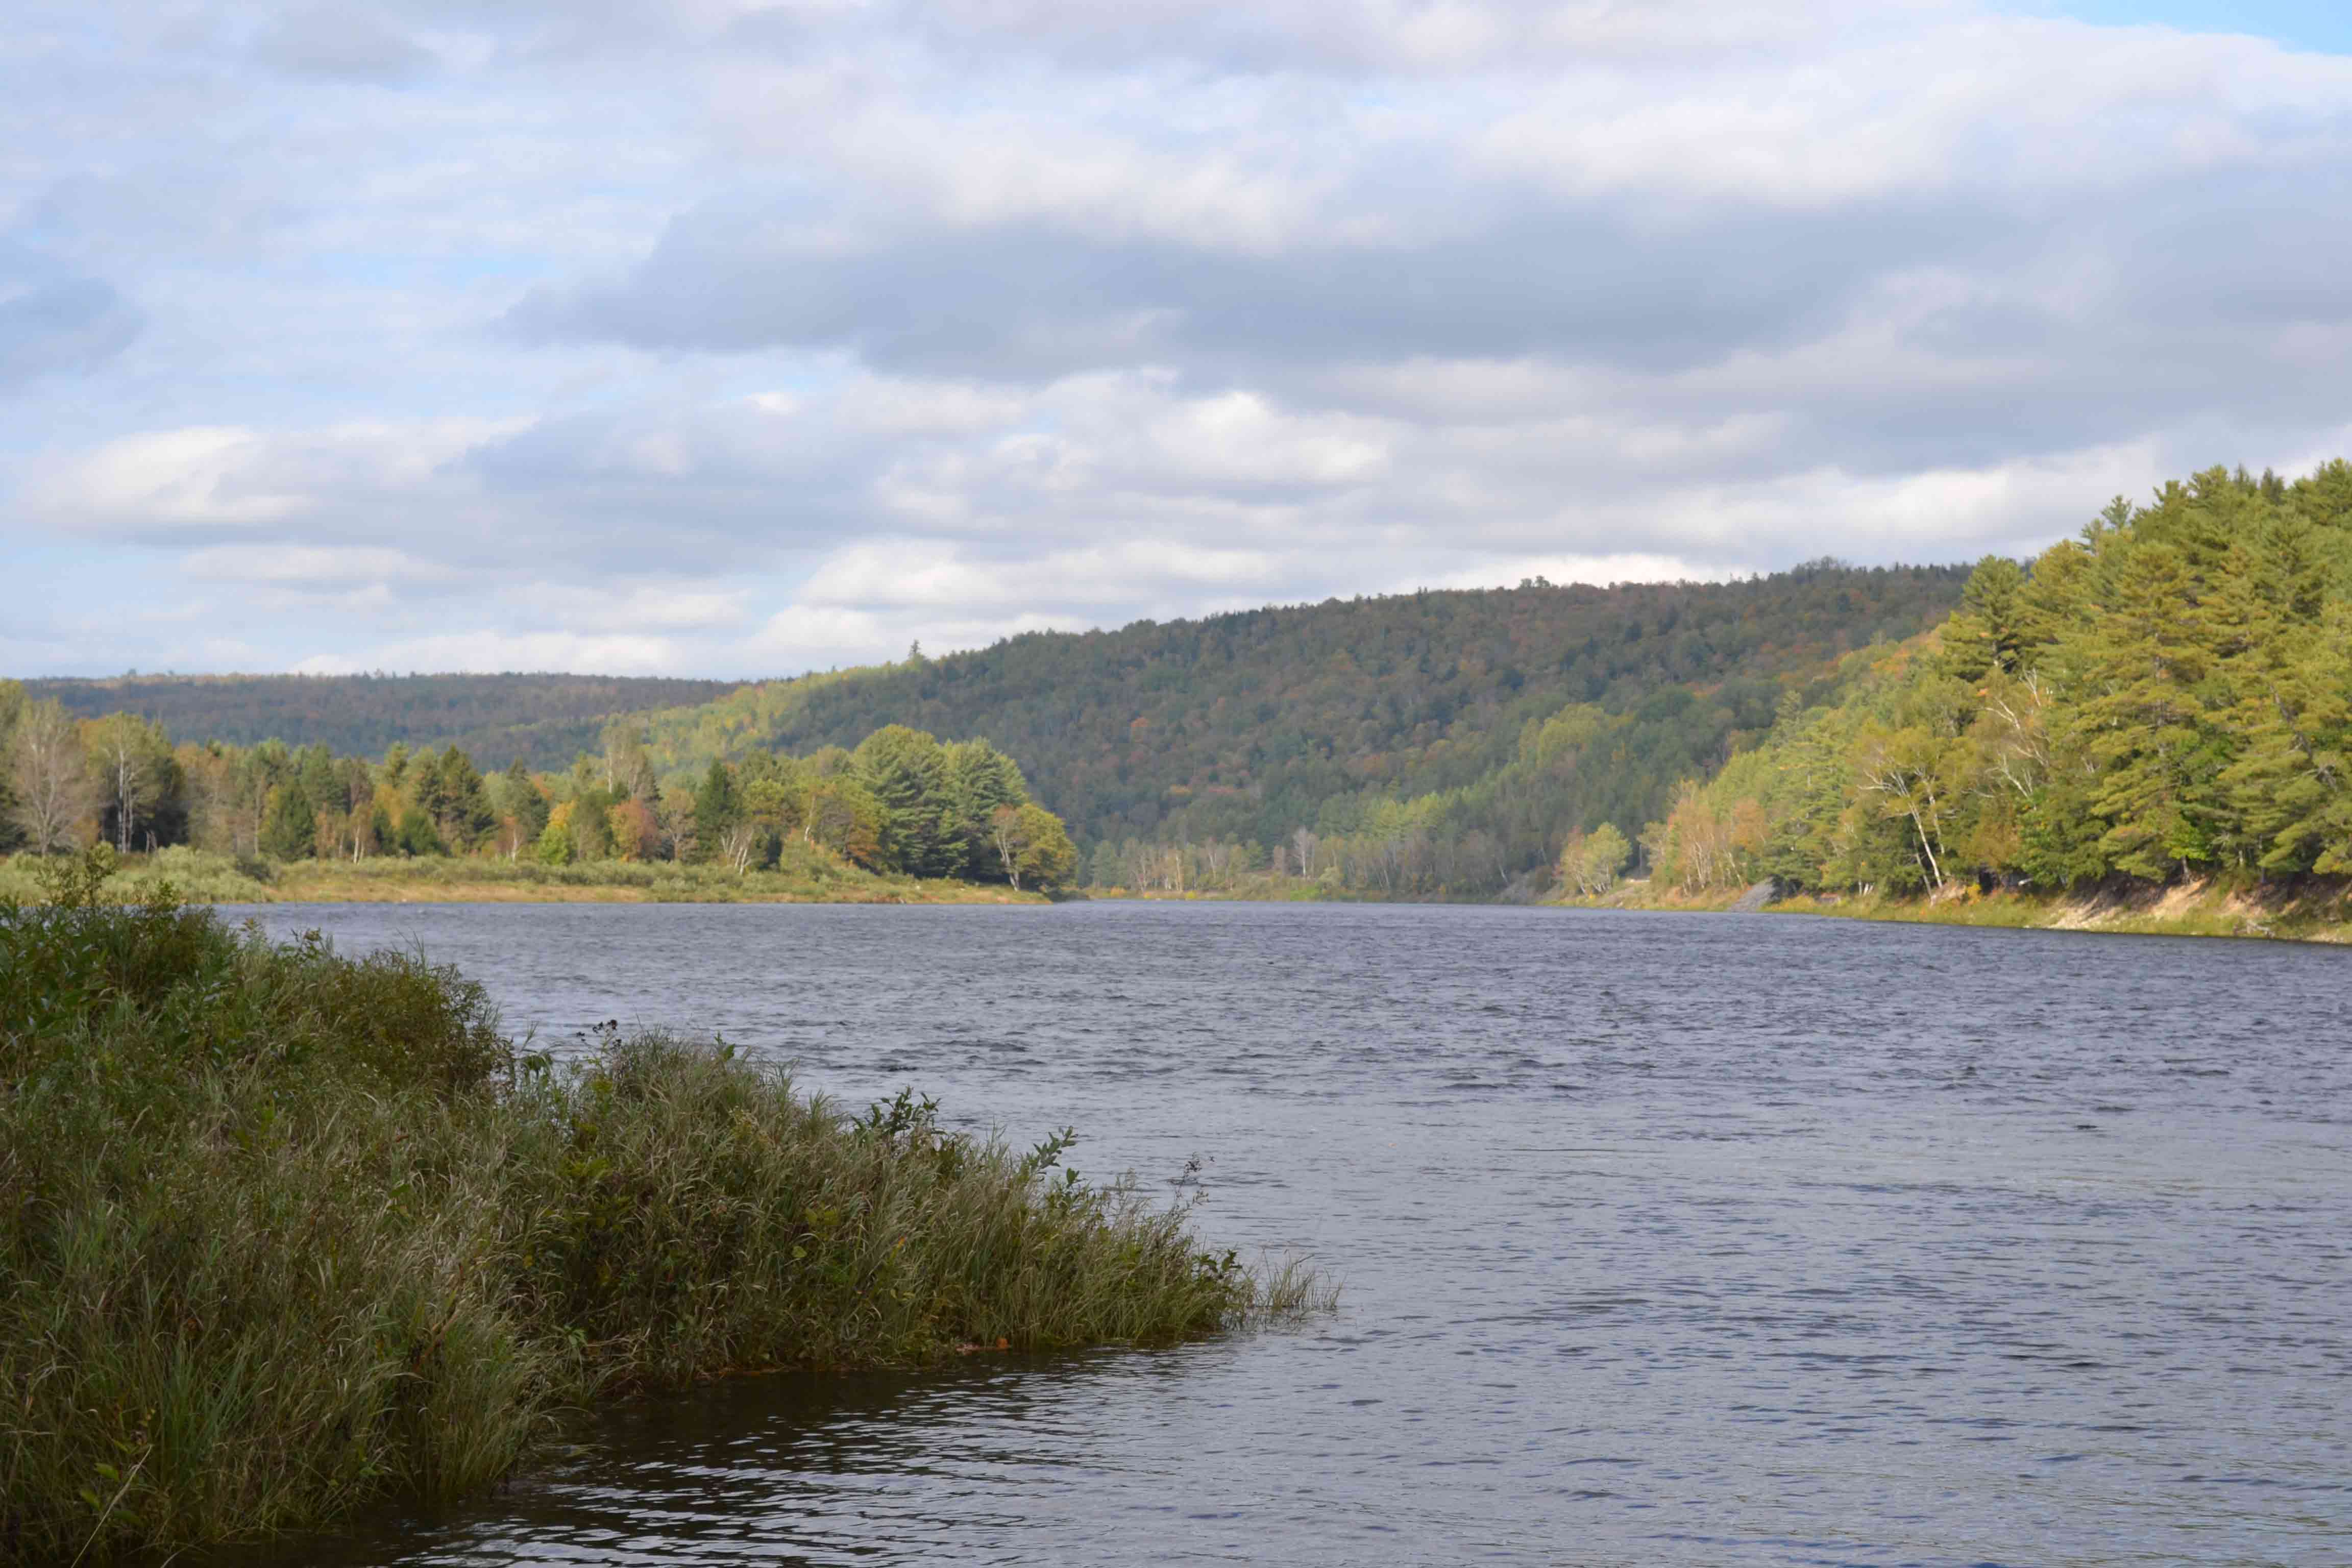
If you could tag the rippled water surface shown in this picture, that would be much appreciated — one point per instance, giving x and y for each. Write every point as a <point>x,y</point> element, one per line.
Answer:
<point>1665,1239</point>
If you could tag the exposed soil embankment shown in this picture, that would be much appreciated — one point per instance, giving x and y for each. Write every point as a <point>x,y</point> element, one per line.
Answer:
<point>2310,908</point>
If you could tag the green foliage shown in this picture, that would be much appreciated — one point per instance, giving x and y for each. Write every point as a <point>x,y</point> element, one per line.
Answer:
<point>288,805</point>
<point>416,833</point>
<point>1029,845</point>
<point>13,703</point>
<point>293,825</point>
<point>907,770</point>
<point>291,1232</point>
<point>1242,728</point>
<point>525,802</point>
<point>980,782</point>
<point>554,845</point>
<point>2168,695</point>
<point>464,817</point>
<point>543,718</point>
<point>718,808</point>
<point>1590,863</point>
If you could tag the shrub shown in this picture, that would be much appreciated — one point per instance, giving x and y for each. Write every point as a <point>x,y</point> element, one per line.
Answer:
<point>288,1231</point>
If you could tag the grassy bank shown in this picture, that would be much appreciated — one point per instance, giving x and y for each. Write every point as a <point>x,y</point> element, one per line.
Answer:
<point>2305,910</point>
<point>806,875</point>
<point>289,1232</point>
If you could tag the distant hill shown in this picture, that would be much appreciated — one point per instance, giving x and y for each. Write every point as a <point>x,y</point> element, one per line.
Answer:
<point>544,718</point>
<point>1247,726</point>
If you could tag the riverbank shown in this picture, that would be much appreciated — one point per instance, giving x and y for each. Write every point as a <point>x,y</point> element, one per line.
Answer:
<point>295,1232</point>
<point>2309,909</point>
<point>805,875</point>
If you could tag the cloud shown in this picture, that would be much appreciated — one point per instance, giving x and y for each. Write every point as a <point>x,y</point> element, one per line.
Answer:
<point>212,482</point>
<point>730,336</point>
<point>62,326</point>
<point>909,572</point>
<point>310,566</point>
<point>495,651</point>
<point>341,44</point>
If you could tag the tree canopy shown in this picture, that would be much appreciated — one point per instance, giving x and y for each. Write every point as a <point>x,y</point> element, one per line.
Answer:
<point>2170,693</point>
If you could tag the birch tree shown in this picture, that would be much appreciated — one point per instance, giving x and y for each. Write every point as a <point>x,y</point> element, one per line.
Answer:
<point>50,774</point>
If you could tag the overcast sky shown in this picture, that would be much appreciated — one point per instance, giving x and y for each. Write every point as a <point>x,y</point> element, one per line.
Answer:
<point>730,338</point>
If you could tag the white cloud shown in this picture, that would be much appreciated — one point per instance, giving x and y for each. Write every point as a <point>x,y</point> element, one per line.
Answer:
<point>1598,570</point>
<point>594,337</point>
<point>938,576</point>
<point>239,479</point>
<point>547,650</point>
<point>310,565</point>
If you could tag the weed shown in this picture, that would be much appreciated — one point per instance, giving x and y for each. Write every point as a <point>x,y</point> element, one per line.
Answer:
<point>283,1231</point>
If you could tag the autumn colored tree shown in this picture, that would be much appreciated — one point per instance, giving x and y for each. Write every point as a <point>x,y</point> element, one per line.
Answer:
<point>1031,844</point>
<point>1590,862</point>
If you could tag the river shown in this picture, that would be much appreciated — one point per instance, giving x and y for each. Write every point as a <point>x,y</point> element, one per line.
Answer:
<point>1665,1239</point>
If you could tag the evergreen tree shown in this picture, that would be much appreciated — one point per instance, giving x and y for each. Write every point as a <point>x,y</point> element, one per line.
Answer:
<point>427,791</point>
<point>2139,722</point>
<point>980,780</point>
<point>718,808</point>
<point>1988,632</point>
<point>524,803</point>
<point>292,829</point>
<point>417,835</point>
<point>462,815</point>
<point>907,771</point>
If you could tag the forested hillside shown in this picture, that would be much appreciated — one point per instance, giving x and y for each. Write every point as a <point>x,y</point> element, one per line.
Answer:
<point>546,720</point>
<point>1241,730</point>
<point>2168,695</point>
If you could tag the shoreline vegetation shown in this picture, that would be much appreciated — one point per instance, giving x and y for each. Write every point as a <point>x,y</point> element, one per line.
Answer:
<point>199,877</point>
<point>292,1233</point>
<point>2148,727</point>
<point>2314,910</point>
<point>902,819</point>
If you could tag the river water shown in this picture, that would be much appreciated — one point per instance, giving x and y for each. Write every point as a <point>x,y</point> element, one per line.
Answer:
<point>1664,1239</point>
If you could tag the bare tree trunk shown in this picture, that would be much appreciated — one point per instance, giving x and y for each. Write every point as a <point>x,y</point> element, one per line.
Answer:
<point>51,776</point>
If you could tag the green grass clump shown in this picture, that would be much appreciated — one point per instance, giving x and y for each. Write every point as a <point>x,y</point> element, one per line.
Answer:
<point>283,1231</point>
<point>804,873</point>
<point>195,876</point>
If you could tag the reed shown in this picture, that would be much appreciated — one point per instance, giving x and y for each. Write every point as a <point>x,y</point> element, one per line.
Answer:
<point>283,1231</point>
<point>803,874</point>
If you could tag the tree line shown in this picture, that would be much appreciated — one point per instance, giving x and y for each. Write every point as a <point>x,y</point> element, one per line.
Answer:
<point>1248,727</point>
<point>2164,694</point>
<point>544,718</point>
<point>900,801</point>
<point>2168,694</point>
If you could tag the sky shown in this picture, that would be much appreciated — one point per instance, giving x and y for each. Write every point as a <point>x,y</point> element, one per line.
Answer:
<point>738,338</point>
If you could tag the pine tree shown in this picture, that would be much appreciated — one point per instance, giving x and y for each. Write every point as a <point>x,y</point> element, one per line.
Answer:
<point>907,771</point>
<point>718,808</point>
<point>1987,633</point>
<point>980,780</point>
<point>528,807</point>
<point>465,816</point>
<point>291,831</point>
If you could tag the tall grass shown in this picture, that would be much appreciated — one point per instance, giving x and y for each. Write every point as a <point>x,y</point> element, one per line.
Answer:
<point>804,873</point>
<point>282,1232</point>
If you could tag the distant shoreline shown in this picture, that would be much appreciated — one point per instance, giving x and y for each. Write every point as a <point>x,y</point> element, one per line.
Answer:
<point>2313,909</point>
<point>202,878</point>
